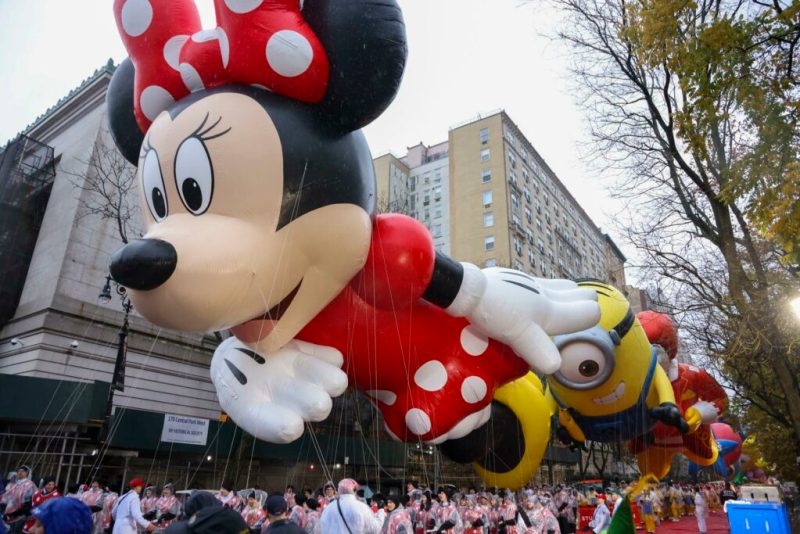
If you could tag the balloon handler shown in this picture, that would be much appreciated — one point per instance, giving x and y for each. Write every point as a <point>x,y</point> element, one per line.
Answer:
<point>610,387</point>
<point>700,398</point>
<point>258,193</point>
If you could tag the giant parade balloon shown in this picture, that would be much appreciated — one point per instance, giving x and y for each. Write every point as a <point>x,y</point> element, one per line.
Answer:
<point>258,191</point>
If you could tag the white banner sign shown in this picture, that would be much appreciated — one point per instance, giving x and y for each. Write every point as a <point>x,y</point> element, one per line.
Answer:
<point>182,429</point>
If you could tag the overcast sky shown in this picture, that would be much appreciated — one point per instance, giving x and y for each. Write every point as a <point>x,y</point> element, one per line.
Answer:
<point>466,57</point>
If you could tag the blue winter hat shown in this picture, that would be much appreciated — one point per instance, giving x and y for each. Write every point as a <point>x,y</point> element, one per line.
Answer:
<point>64,515</point>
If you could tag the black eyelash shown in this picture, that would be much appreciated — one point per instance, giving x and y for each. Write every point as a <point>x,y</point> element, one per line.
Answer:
<point>202,133</point>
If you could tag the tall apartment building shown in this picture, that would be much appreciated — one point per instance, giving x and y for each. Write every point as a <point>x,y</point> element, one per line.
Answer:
<point>418,185</point>
<point>489,198</point>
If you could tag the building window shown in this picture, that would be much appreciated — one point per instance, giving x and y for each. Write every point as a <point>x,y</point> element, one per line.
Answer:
<point>518,265</point>
<point>486,175</point>
<point>541,245</point>
<point>437,230</point>
<point>485,154</point>
<point>538,207</point>
<point>437,213</point>
<point>426,200</point>
<point>525,175</point>
<point>512,178</point>
<point>529,235</point>
<point>528,215</point>
<point>512,160</point>
<point>488,220</point>
<point>491,262</point>
<point>514,201</point>
<point>488,242</point>
<point>487,199</point>
<point>527,196</point>
<point>518,246</point>
<point>484,135</point>
<point>532,258</point>
<point>539,224</point>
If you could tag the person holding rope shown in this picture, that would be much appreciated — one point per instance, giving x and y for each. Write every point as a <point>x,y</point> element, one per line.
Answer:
<point>127,511</point>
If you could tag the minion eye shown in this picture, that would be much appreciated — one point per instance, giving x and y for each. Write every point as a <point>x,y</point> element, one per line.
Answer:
<point>582,362</point>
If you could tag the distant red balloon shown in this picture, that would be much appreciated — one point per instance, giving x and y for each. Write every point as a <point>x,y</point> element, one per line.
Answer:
<point>660,330</point>
<point>724,435</point>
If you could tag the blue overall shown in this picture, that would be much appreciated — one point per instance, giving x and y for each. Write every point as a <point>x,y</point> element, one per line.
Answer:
<point>621,426</point>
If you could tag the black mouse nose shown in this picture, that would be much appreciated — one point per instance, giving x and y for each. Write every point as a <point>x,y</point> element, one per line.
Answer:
<point>144,264</point>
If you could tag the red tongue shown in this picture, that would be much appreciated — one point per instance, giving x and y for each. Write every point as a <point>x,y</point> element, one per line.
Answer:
<point>254,331</point>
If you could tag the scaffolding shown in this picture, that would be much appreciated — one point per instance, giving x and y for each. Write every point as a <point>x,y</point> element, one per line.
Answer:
<point>27,171</point>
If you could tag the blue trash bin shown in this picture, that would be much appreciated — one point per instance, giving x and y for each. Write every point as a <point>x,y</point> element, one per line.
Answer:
<point>760,518</point>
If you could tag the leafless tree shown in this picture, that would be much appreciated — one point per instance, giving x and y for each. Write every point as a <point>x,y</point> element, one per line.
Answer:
<point>107,185</point>
<point>725,283</point>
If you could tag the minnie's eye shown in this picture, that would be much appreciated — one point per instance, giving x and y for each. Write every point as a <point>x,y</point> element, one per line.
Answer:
<point>194,175</point>
<point>153,186</point>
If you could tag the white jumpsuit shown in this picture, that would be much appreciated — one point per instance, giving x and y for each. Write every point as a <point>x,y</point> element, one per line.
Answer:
<point>127,514</point>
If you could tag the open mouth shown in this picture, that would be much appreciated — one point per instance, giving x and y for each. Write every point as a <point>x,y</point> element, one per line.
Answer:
<point>261,326</point>
<point>612,397</point>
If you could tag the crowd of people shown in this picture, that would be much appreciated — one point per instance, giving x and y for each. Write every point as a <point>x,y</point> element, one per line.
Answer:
<point>343,508</point>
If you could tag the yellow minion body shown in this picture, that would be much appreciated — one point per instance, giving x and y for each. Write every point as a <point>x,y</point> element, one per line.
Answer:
<point>609,377</point>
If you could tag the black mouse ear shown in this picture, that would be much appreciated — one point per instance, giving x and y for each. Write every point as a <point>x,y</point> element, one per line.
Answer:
<point>365,41</point>
<point>121,121</point>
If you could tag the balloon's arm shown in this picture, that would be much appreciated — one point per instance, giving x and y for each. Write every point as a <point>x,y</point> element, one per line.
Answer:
<point>454,288</point>
<point>566,420</point>
<point>663,387</point>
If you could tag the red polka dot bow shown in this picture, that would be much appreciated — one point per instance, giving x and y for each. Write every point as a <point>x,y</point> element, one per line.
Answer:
<point>265,43</point>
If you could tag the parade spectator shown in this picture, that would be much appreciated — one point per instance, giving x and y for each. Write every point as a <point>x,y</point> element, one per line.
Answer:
<point>48,491</point>
<point>127,511</point>
<point>312,516</point>
<point>328,495</point>
<point>148,503</point>
<point>167,506</point>
<point>253,514</point>
<point>229,498</point>
<point>397,520</point>
<point>210,518</point>
<point>17,499</point>
<point>278,517</point>
<point>346,515</point>
<point>62,516</point>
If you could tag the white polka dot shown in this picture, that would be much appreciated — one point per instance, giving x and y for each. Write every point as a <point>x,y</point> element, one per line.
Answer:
<point>385,396</point>
<point>136,17</point>
<point>172,50</point>
<point>418,421</point>
<point>191,78</point>
<point>473,342</point>
<point>242,6</point>
<point>431,376</point>
<point>154,100</point>
<point>289,53</point>
<point>473,389</point>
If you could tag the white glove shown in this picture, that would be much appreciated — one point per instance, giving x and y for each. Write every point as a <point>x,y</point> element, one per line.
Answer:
<point>272,396</point>
<point>522,311</point>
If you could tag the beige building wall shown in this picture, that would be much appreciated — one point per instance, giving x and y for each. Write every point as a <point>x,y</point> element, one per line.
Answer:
<point>469,161</point>
<point>391,175</point>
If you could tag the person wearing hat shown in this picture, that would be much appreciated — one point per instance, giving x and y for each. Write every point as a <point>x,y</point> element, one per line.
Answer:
<point>127,511</point>
<point>253,514</point>
<point>347,515</point>
<point>446,513</point>
<point>228,497</point>
<point>48,491</point>
<point>167,506</point>
<point>397,520</point>
<point>601,517</point>
<point>148,503</point>
<point>17,499</point>
<point>62,516</point>
<point>278,517</point>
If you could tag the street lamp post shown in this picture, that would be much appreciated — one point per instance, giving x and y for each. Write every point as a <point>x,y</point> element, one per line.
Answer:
<point>118,378</point>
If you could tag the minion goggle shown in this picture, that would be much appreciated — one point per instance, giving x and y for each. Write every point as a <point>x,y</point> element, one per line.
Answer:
<point>588,357</point>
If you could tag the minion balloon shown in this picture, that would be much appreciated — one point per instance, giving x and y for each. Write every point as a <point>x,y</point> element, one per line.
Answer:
<point>610,386</point>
